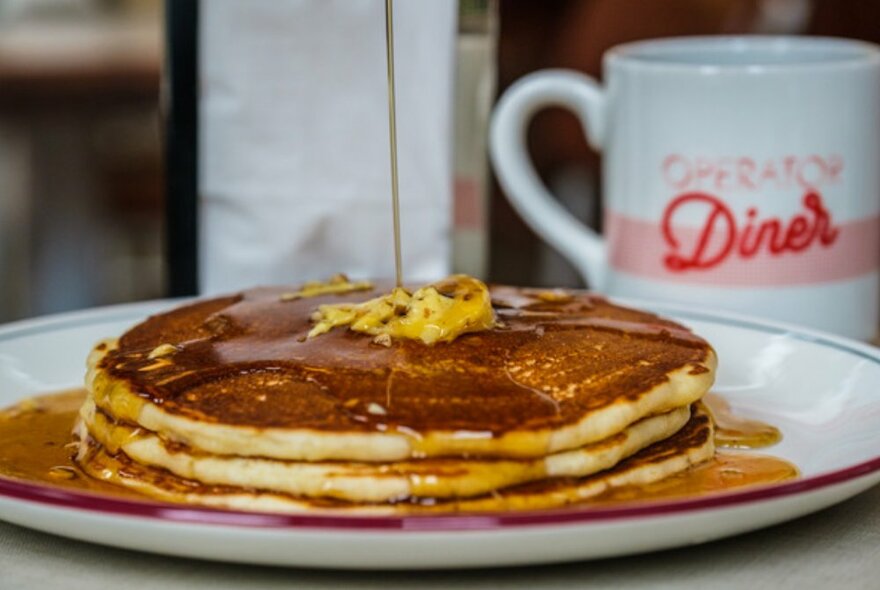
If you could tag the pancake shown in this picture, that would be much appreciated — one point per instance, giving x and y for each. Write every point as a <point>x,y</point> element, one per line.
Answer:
<point>238,376</point>
<point>374,482</point>
<point>690,446</point>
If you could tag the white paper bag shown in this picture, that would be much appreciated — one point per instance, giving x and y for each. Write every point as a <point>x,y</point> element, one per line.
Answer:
<point>293,140</point>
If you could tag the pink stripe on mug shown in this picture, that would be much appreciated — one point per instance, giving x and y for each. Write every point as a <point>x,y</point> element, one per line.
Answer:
<point>639,247</point>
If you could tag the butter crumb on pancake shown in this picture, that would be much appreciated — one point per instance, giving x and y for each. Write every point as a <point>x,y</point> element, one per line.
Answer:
<point>162,350</point>
<point>439,312</point>
<point>337,284</point>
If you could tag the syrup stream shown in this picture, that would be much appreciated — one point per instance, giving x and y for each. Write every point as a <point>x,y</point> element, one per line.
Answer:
<point>392,132</point>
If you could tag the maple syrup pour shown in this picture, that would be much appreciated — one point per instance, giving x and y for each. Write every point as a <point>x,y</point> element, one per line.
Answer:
<point>392,136</point>
<point>723,473</point>
<point>736,432</point>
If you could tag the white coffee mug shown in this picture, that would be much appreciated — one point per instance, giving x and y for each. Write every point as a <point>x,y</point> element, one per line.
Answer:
<point>740,173</point>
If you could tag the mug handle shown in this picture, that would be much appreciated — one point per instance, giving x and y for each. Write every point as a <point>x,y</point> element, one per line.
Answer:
<point>582,246</point>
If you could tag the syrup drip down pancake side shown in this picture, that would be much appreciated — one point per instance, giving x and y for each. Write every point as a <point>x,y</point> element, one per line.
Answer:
<point>434,477</point>
<point>690,446</point>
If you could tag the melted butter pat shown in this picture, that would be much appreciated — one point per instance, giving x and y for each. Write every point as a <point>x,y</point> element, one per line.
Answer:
<point>440,312</point>
<point>337,285</point>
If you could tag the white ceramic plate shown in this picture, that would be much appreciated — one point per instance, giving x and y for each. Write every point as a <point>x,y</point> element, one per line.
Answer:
<point>822,391</point>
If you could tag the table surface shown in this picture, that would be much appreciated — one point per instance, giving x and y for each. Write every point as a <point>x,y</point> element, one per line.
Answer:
<point>838,547</point>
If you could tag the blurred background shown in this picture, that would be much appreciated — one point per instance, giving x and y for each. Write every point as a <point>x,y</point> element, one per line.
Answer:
<point>82,199</point>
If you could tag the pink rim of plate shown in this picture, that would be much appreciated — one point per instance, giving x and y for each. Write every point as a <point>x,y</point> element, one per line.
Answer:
<point>176,513</point>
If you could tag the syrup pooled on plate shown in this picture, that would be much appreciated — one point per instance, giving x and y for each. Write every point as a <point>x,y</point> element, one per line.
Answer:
<point>35,447</point>
<point>723,473</point>
<point>737,432</point>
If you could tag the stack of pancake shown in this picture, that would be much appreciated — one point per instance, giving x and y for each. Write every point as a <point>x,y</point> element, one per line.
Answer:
<point>227,402</point>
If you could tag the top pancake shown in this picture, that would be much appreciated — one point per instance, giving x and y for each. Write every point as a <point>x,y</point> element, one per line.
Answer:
<point>562,371</point>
